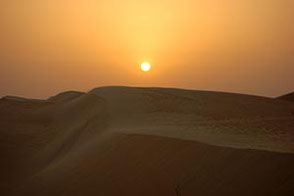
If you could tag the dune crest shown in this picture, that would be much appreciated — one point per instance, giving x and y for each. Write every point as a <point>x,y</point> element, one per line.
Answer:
<point>287,97</point>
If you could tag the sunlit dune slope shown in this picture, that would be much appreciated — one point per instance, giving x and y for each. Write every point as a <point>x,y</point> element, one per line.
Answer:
<point>146,141</point>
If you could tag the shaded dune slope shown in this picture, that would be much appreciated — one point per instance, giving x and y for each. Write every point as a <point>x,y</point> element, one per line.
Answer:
<point>147,141</point>
<point>287,97</point>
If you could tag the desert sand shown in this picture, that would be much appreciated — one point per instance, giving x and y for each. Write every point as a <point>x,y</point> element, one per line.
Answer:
<point>116,141</point>
<point>287,97</point>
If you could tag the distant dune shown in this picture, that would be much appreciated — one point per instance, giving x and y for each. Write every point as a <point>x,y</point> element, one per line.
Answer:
<point>116,141</point>
<point>287,97</point>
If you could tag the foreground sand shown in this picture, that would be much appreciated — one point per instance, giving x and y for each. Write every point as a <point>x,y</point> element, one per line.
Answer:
<point>146,141</point>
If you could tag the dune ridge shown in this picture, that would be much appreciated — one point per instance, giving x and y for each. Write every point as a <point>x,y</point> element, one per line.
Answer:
<point>287,97</point>
<point>147,141</point>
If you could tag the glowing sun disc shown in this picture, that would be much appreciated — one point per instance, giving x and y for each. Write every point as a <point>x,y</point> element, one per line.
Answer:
<point>145,66</point>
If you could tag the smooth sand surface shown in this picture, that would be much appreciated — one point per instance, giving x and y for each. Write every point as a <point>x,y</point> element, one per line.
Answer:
<point>116,141</point>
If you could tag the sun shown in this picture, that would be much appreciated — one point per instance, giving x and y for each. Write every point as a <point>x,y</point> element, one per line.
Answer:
<point>145,66</point>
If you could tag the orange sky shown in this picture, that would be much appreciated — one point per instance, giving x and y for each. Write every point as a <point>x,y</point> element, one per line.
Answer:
<point>244,46</point>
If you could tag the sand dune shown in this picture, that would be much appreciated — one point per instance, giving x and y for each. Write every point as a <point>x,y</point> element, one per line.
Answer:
<point>65,96</point>
<point>287,97</point>
<point>146,141</point>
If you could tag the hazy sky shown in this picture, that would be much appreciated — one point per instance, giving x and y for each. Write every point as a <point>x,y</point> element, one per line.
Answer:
<point>244,46</point>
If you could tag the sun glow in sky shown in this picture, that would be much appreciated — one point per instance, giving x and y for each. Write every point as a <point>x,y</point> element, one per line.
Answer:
<point>145,66</point>
<point>243,46</point>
